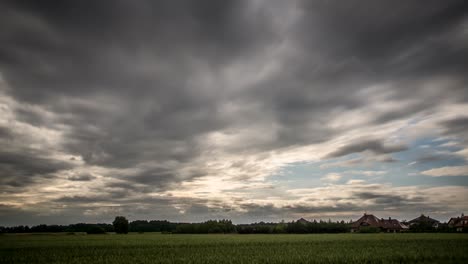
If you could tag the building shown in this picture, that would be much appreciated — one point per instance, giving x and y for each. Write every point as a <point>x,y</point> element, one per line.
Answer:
<point>384,225</point>
<point>367,220</point>
<point>392,225</point>
<point>459,223</point>
<point>425,221</point>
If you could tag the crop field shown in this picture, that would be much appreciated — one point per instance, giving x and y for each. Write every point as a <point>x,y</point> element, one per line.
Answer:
<point>161,248</point>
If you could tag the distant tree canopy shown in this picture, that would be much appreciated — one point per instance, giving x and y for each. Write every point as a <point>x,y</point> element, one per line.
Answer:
<point>81,227</point>
<point>318,227</point>
<point>262,228</point>
<point>95,229</point>
<point>120,225</point>
<point>211,226</point>
<point>152,226</point>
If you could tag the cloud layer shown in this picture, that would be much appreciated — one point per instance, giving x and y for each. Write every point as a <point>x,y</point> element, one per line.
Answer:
<point>187,110</point>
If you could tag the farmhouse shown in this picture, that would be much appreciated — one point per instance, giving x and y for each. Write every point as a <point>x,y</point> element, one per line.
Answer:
<point>384,225</point>
<point>459,223</point>
<point>423,220</point>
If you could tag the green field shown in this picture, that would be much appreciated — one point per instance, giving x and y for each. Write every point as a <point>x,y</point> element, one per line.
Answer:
<point>159,248</point>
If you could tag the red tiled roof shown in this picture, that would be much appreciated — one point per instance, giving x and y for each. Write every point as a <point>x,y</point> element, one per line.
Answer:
<point>373,221</point>
<point>423,218</point>
<point>367,220</point>
<point>462,222</point>
<point>302,220</point>
<point>392,224</point>
<point>459,221</point>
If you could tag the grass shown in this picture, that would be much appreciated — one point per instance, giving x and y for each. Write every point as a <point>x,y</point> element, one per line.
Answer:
<point>158,248</point>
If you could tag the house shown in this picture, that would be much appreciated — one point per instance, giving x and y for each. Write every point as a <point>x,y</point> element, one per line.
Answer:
<point>367,220</point>
<point>384,225</point>
<point>423,220</point>
<point>303,221</point>
<point>459,223</point>
<point>392,225</point>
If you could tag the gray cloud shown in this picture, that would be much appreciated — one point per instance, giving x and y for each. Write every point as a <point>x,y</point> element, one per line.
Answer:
<point>386,200</point>
<point>79,199</point>
<point>5,133</point>
<point>455,126</point>
<point>22,169</point>
<point>376,146</point>
<point>377,38</point>
<point>148,87</point>
<point>437,157</point>
<point>81,177</point>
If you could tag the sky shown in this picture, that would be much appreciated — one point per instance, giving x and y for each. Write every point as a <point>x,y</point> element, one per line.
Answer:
<point>260,110</point>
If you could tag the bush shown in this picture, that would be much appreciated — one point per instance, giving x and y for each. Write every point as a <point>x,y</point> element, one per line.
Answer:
<point>96,230</point>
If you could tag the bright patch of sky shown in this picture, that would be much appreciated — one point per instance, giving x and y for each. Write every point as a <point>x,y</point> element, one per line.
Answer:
<point>422,154</point>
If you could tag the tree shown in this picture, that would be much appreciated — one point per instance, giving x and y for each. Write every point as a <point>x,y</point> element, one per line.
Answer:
<point>120,225</point>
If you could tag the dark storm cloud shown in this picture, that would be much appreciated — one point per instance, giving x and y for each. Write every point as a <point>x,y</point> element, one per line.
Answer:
<point>437,157</point>
<point>22,169</point>
<point>302,209</point>
<point>387,199</point>
<point>32,117</point>
<point>135,83</point>
<point>79,199</point>
<point>81,177</point>
<point>375,146</point>
<point>402,112</point>
<point>93,45</point>
<point>110,197</point>
<point>373,202</point>
<point>150,180</point>
<point>458,125</point>
<point>87,49</point>
<point>5,133</point>
<point>144,54</point>
<point>368,32</point>
<point>153,177</point>
<point>343,47</point>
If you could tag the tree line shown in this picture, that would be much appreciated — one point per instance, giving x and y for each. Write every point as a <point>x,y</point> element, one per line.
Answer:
<point>122,225</point>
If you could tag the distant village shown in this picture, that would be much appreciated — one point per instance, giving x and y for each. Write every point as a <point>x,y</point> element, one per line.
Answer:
<point>369,222</point>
